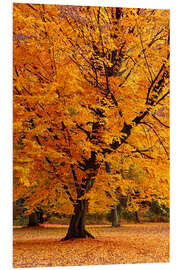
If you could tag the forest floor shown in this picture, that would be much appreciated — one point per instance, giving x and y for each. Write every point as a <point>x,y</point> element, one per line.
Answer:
<point>130,243</point>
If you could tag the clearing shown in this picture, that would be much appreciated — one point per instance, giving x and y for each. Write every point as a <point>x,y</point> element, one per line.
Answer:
<point>130,243</point>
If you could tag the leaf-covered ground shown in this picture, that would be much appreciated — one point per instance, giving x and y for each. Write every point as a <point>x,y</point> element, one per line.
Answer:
<point>130,243</point>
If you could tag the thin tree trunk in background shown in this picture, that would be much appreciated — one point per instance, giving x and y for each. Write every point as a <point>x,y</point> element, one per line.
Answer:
<point>137,217</point>
<point>115,221</point>
<point>114,214</point>
<point>41,217</point>
<point>33,220</point>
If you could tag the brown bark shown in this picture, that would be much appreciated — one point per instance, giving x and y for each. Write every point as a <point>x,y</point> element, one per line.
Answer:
<point>115,221</point>
<point>33,220</point>
<point>137,217</point>
<point>77,222</point>
<point>36,218</point>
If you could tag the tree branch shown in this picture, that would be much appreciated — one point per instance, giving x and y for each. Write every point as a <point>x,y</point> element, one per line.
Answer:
<point>162,97</point>
<point>157,136</point>
<point>143,50</point>
<point>84,130</point>
<point>160,121</point>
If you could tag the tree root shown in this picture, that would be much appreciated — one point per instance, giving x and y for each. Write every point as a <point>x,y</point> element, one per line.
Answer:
<point>86,233</point>
<point>89,235</point>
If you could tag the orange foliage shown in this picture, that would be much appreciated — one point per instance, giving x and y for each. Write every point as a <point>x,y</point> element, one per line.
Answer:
<point>91,87</point>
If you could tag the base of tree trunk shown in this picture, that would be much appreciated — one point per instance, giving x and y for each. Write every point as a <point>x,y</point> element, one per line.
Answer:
<point>137,217</point>
<point>114,214</point>
<point>75,236</point>
<point>116,225</point>
<point>77,223</point>
<point>33,220</point>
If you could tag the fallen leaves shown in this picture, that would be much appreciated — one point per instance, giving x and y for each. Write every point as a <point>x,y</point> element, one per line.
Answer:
<point>131,243</point>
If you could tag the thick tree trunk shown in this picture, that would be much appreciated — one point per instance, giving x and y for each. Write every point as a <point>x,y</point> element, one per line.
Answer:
<point>115,221</point>
<point>77,222</point>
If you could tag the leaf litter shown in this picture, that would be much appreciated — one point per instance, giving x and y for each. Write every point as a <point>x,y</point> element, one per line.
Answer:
<point>128,244</point>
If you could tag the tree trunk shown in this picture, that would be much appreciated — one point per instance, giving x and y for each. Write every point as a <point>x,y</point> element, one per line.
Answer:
<point>41,216</point>
<point>114,214</point>
<point>33,220</point>
<point>77,222</point>
<point>137,217</point>
<point>115,222</point>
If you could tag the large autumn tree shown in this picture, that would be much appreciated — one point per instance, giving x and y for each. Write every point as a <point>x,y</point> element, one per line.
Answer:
<point>91,93</point>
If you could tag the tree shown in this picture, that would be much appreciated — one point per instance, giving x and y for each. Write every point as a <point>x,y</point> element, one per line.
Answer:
<point>90,89</point>
<point>114,213</point>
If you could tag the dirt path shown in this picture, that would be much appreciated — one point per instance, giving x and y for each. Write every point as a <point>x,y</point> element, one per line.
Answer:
<point>142,243</point>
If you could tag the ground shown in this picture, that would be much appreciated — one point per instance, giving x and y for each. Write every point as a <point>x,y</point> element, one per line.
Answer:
<point>130,243</point>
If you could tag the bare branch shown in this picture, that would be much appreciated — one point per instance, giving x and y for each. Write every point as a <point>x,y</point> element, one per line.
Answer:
<point>159,121</point>
<point>155,132</point>
<point>143,50</point>
<point>162,97</point>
